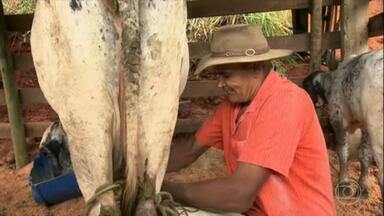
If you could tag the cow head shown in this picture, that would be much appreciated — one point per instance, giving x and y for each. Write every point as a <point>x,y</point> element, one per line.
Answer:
<point>54,146</point>
<point>314,85</point>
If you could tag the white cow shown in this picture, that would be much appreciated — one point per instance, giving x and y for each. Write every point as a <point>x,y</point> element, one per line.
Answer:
<point>113,70</point>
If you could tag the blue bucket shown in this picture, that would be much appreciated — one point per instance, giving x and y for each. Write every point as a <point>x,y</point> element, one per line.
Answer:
<point>47,189</point>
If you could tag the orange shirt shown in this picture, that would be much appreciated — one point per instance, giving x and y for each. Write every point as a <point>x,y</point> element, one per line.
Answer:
<point>280,131</point>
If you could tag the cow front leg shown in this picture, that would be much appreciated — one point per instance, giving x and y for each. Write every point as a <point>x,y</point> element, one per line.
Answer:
<point>365,159</point>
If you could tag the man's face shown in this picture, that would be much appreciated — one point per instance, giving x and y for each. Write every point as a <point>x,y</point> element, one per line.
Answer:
<point>239,83</point>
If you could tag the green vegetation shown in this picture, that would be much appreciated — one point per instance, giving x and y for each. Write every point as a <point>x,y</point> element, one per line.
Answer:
<point>19,6</point>
<point>272,23</point>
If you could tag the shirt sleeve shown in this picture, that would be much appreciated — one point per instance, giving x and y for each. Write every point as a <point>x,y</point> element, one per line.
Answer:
<point>211,132</point>
<point>276,132</point>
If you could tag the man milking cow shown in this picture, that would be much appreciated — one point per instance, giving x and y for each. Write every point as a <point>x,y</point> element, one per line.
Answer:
<point>267,127</point>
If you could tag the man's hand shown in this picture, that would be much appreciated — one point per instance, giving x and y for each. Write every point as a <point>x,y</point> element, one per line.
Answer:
<point>235,193</point>
<point>183,154</point>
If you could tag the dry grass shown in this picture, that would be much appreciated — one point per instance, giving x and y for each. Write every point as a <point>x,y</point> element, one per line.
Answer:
<point>19,6</point>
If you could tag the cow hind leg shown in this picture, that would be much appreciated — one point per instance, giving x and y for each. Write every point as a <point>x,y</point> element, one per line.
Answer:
<point>376,140</point>
<point>365,159</point>
<point>74,48</point>
<point>344,188</point>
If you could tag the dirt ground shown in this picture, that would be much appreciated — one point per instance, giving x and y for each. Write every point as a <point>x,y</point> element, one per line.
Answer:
<point>16,199</point>
<point>15,194</point>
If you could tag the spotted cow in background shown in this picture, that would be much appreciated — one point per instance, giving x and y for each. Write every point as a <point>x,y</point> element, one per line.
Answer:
<point>354,94</point>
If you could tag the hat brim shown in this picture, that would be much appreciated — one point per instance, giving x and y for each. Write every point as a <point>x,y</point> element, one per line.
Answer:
<point>208,60</point>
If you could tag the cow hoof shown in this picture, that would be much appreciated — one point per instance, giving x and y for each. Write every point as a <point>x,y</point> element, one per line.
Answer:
<point>146,208</point>
<point>344,189</point>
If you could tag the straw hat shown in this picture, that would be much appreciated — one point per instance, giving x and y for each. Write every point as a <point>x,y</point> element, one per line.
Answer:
<point>239,44</point>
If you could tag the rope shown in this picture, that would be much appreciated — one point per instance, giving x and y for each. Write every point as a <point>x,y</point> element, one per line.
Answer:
<point>164,202</point>
<point>99,192</point>
<point>168,207</point>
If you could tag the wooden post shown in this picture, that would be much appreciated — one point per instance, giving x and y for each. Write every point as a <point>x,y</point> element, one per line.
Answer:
<point>12,98</point>
<point>354,27</point>
<point>316,35</point>
<point>331,26</point>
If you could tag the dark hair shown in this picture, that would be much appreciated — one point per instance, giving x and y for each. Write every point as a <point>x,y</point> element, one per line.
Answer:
<point>264,66</point>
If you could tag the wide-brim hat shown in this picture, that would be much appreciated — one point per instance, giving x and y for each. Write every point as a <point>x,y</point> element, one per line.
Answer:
<point>239,43</point>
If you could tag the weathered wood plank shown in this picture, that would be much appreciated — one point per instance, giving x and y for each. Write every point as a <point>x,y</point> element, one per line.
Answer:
<point>297,43</point>
<point>36,129</point>
<point>203,88</point>
<point>32,96</point>
<point>32,129</point>
<point>193,89</point>
<point>27,96</point>
<point>199,8</point>
<point>22,61</point>
<point>375,25</point>
<point>19,22</point>
<point>207,8</point>
<point>2,97</point>
<point>23,22</point>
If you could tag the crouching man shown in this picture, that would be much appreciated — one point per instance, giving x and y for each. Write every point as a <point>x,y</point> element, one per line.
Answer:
<point>273,145</point>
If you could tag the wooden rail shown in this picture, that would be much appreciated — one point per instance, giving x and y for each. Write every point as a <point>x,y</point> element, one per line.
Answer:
<point>199,8</point>
<point>207,8</point>
<point>36,129</point>
<point>297,43</point>
<point>193,89</point>
<point>375,25</point>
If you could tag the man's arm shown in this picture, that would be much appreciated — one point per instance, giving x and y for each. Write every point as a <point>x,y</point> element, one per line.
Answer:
<point>183,154</point>
<point>234,193</point>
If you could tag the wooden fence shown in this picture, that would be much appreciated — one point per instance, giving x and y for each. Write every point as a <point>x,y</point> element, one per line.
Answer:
<point>196,8</point>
